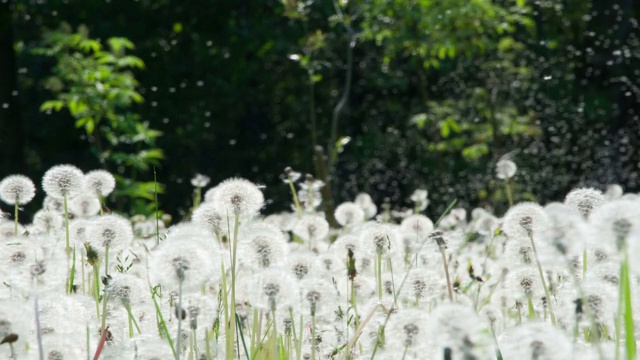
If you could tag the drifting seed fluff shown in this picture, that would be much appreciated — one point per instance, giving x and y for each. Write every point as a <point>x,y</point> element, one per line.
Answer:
<point>208,216</point>
<point>524,219</point>
<point>84,205</point>
<point>190,261</point>
<point>17,189</point>
<point>418,226</point>
<point>614,191</point>
<point>506,169</point>
<point>535,340</point>
<point>349,214</point>
<point>238,197</point>
<point>63,180</point>
<point>112,230</point>
<point>311,228</point>
<point>261,246</point>
<point>364,201</point>
<point>584,200</point>
<point>99,183</point>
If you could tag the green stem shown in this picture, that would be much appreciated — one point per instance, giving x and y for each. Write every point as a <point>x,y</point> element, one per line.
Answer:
<point>379,274</point>
<point>96,287</point>
<point>446,272</point>
<point>163,324</point>
<point>295,198</point>
<point>15,217</point>
<point>66,225</point>
<point>542,279</point>
<point>179,339</point>
<point>106,259</point>
<point>507,185</point>
<point>313,337</point>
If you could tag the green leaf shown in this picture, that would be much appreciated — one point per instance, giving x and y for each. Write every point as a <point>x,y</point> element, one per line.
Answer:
<point>52,105</point>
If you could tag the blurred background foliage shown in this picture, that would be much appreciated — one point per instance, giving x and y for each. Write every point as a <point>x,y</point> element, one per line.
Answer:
<point>401,94</point>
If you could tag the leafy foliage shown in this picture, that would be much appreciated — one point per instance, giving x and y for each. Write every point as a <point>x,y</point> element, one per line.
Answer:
<point>97,86</point>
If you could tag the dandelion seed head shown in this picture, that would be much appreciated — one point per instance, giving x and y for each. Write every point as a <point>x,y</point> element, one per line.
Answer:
<point>110,230</point>
<point>417,225</point>
<point>63,180</point>
<point>366,203</point>
<point>17,189</point>
<point>99,183</point>
<point>524,219</point>
<point>200,181</point>
<point>261,245</point>
<point>535,340</point>
<point>584,200</point>
<point>84,205</point>
<point>349,214</point>
<point>311,228</point>
<point>238,197</point>
<point>506,169</point>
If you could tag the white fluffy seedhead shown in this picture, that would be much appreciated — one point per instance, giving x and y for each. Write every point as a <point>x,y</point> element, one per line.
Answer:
<point>63,180</point>
<point>209,216</point>
<point>417,226</point>
<point>17,189</point>
<point>191,261</point>
<point>99,182</point>
<point>112,230</point>
<point>311,228</point>
<point>238,197</point>
<point>349,214</point>
<point>535,340</point>
<point>505,169</point>
<point>523,219</point>
<point>584,200</point>
<point>366,203</point>
<point>85,205</point>
<point>261,246</point>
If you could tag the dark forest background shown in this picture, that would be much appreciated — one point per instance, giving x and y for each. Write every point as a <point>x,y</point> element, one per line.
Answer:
<point>400,94</point>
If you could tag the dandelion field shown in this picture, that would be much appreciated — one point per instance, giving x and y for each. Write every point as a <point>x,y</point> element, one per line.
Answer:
<point>543,281</point>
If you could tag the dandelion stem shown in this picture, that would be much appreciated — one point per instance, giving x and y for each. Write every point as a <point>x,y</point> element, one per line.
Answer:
<point>179,339</point>
<point>106,259</point>
<point>544,282</point>
<point>296,202</point>
<point>96,287</point>
<point>15,217</point>
<point>313,336</point>
<point>446,272</point>
<point>155,198</point>
<point>507,185</point>
<point>38,328</point>
<point>66,225</point>
<point>103,339</point>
